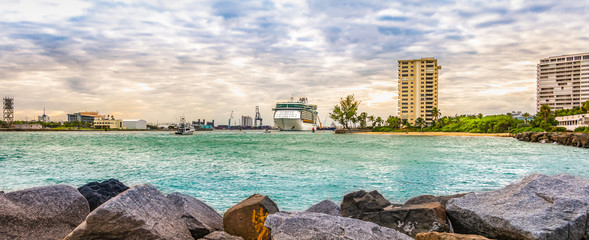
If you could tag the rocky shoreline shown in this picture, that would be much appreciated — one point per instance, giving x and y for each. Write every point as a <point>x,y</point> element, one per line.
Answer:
<point>537,207</point>
<point>563,138</point>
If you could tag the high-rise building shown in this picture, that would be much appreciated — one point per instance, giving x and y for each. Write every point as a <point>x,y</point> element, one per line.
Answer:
<point>418,89</point>
<point>562,81</point>
<point>247,121</point>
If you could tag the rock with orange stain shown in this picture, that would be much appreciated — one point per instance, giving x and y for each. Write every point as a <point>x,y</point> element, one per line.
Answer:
<point>246,219</point>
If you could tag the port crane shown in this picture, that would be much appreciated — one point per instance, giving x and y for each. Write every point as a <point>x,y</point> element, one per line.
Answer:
<point>230,118</point>
<point>258,117</point>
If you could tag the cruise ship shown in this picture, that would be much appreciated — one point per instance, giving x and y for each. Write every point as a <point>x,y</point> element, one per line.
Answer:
<point>295,115</point>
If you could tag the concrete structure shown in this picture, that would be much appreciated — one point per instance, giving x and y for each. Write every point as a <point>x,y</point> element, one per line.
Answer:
<point>84,117</point>
<point>573,121</point>
<point>418,89</point>
<point>134,124</point>
<point>28,126</point>
<point>110,124</point>
<point>562,81</point>
<point>247,121</point>
<point>43,118</point>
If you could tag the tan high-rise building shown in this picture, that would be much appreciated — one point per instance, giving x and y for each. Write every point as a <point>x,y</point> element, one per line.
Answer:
<point>562,81</point>
<point>418,89</point>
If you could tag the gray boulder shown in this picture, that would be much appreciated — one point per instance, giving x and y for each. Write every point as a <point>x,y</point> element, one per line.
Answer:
<point>327,207</point>
<point>310,225</point>
<point>356,203</point>
<point>141,212</point>
<point>431,198</point>
<point>538,207</point>
<point>220,235</point>
<point>49,212</point>
<point>99,192</point>
<point>411,219</point>
<point>200,218</point>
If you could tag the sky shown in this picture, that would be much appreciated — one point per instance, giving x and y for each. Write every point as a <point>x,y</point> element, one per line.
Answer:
<point>159,60</point>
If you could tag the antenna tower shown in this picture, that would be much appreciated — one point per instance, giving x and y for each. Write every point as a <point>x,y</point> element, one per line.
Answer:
<point>258,117</point>
<point>9,110</point>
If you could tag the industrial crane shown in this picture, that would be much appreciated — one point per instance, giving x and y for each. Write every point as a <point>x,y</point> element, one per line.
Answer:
<point>230,118</point>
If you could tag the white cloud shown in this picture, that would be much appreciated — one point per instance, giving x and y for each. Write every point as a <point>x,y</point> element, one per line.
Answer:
<point>156,59</point>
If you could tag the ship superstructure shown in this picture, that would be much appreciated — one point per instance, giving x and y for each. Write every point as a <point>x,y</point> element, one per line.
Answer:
<point>295,115</point>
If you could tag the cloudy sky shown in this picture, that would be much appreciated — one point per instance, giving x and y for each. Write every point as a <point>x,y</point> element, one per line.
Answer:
<point>158,60</point>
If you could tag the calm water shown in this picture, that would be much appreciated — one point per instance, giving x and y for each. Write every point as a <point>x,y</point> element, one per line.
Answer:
<point>294,169</point>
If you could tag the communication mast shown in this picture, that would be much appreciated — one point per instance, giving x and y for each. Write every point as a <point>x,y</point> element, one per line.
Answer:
<point>8,110</point>
<point>258,117</point>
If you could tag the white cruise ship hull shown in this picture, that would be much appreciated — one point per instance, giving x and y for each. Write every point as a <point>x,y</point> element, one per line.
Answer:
<point>289,124</point>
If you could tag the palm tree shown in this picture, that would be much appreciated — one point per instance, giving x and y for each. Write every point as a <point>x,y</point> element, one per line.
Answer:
<point>436,113</point>
<point>371,119</point>
<point>544,112</point>
<point>379,121</point>
<point>526,116</point>
<point>393,121</point>
<point>419,122</point>
<point>362,119</point>
<point>585,106</point>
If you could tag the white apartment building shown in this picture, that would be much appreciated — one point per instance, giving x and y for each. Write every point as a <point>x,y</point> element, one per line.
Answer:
<point>562,81</point>
<point>573,121</point>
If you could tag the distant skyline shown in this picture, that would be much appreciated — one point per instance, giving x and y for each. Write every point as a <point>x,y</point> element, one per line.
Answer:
<point>160,60</point>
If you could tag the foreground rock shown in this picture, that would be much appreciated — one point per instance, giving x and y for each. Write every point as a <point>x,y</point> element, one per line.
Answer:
<point>357,203</point>
<point>309,225</point>
<point>200,218</point>
<point>538,207</point>
<point>448,236</point>
<point>327,207</point>
<point>98,193</point>
<point>246,219</point>
<point>411,219</point>
<point>564,138</point>
<point>41,213</point>
<point>431,198</point>
<point>141,212</point>
<point>220,235</point>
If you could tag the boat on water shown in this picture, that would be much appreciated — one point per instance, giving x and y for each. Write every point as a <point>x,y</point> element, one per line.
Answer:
<point>295,115</point>
<point>184,128</point>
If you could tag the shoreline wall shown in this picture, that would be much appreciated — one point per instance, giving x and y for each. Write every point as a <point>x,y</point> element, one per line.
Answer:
<point>563,138</point>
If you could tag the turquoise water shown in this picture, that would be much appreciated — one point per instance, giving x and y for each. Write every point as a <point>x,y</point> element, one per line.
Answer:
<point>295,169</point>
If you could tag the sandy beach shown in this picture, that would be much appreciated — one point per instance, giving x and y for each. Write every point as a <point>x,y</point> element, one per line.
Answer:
<point>441,134</point>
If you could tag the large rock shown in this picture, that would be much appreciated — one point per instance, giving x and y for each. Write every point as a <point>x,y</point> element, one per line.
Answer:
<point>448,236</point>
<point>327,207</point>
<point>200,218</point>
<point>246,219</point>
<point>411,219</point>
<point>49,212</point>
<point>220,235</point>
<point>356,203</point>
<point>98,193</point>
<point>141,212</point>
<point>310,225</point>
<point>431,198</point>
<point>538,207</point>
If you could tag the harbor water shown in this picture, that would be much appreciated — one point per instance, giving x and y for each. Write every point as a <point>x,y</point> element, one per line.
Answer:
<point>296,169</point>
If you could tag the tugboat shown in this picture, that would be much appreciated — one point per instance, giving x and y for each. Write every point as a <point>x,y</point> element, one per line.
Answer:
<point>184,128</point>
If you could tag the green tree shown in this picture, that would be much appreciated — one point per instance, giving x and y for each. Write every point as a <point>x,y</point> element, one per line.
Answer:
<point>345,111</point>
<point>362,119</point>
<point>371,119</point>
<point>544,112</point>
<point>526,116</point>
<point>420,123</point>
<point>436,113</point>
<point>585,106</point>
<point>379,121</point>
<point>393,122</point>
